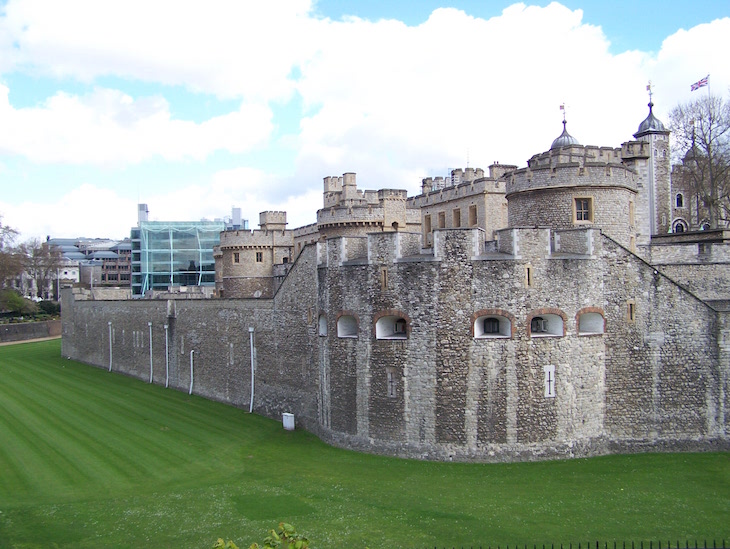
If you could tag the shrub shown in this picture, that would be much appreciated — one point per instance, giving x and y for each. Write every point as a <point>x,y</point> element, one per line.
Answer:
<point>12,301</point>
<point>286,537</point>
<point>51,308</point>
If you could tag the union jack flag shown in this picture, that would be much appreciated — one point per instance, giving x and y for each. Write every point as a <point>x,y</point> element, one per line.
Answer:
<point>700,83</point>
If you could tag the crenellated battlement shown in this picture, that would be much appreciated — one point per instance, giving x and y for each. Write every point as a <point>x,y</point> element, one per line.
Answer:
<point>515,243</point>
<point>258,238</point>
<point>579,172</point>
<point>452,192</point>
<point>272,221</point>
<point>635,150</point>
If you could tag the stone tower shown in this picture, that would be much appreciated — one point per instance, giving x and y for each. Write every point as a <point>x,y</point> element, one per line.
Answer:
<point>649,157</point>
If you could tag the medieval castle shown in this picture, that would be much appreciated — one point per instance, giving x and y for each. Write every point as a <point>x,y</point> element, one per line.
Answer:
<point>566,308</point>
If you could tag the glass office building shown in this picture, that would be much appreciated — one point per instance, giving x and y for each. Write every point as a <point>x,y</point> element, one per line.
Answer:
<point>176,253</point>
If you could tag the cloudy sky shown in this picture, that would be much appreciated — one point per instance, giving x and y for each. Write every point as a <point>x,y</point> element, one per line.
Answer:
<point>196,107</point>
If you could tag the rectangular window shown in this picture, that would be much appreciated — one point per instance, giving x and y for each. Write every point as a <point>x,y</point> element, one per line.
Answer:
<point>259,257</point>
<point>383,279</point>
<point>583,210</point>
<point>473,215</point>
<point>427,230</point>
<point>442,220</point>
<point>457,217</point>
<point>528,275</point>
<point>236,257</point>
<point>631,310</point>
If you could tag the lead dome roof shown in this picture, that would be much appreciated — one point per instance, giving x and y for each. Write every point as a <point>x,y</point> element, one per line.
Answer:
<point>651,124</point>
<point>564,139</point>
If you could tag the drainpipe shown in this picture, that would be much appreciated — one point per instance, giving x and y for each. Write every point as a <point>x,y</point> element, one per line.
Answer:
<point>167,358</point>
<point>149,324</point>
<point>110,345</point>
<point>190,392</point>
<point>250,337</point>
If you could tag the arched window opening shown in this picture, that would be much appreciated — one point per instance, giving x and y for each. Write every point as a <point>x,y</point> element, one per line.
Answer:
<point>679,226</point>
<point>492,326</point>
<point>322,321</point>
<point>391,327</point>
<point>347,326</point>
<point>590,324</point>
<point>680,200</point>
<point>546,325</point>
<point>539,325</point>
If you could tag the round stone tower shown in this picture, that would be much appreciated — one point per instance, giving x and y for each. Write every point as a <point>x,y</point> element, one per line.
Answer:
<point>574,186</point>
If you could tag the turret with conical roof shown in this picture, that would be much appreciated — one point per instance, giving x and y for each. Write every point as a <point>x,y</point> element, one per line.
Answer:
<point>651,124</point>
<point>648,156</point>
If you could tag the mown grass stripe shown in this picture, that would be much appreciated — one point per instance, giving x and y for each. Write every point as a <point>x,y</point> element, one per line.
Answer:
<point>236,475</point>
<point>102,428</point>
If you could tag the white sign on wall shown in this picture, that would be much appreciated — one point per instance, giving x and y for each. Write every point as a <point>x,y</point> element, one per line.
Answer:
<point>549,372</point>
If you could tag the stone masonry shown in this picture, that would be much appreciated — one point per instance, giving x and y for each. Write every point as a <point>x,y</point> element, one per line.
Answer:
<point>541,312</point>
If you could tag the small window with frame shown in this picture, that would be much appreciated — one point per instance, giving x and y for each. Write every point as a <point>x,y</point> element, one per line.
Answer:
<point>583,210</point>
<point>259,257</point>
<point>473,215</point>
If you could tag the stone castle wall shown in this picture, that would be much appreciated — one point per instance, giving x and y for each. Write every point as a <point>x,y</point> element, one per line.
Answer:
<point>655,378</point>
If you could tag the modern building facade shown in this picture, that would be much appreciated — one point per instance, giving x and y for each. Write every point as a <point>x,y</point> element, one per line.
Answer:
<point>173,253</point>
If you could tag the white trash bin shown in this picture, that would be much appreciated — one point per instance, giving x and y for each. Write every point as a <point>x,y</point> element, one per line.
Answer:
<point>288,420</point>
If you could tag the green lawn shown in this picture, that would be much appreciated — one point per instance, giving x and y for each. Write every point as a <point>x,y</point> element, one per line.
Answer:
<point>93,459</point>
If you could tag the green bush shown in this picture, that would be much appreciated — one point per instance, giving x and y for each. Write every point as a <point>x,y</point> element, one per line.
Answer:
<point>10,300</point>
<point>50,308</point>
<point>286,537</point>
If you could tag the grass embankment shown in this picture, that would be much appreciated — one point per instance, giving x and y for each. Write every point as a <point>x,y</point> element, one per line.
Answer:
<point>92,459</point>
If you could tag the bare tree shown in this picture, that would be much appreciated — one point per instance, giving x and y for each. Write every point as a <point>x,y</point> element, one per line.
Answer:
<point>701,131</point>
<point>11,261</point>
<point>42,261</point>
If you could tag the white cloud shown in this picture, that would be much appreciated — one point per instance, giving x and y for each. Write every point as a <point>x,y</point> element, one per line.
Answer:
<point>110,127</point>
<point>233,48</point>
<point>93,211</point>
<point>87,211</point>
<point>391,102</point>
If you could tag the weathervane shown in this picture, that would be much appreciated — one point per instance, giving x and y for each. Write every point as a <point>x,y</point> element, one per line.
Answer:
<point>648,88</point>
<point>562,108</point>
